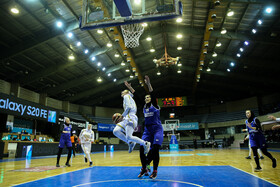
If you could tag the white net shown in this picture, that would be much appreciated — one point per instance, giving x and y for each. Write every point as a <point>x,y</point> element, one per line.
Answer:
<point>131,34</point>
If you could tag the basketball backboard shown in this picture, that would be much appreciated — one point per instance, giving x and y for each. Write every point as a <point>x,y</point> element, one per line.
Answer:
<point>107,13</point>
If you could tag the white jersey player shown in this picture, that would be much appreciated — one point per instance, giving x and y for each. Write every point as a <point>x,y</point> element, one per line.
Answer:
<point>127,122</point>
<point>86,137</point>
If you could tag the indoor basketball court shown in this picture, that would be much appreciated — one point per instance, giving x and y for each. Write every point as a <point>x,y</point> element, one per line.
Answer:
<point>77,70</point>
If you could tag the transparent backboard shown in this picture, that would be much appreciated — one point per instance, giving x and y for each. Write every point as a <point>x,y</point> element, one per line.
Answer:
<point>105,13</point>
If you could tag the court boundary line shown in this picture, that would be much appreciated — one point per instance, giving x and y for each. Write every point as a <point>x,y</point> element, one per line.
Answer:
<point>139,180</point>
<point>254,175</point>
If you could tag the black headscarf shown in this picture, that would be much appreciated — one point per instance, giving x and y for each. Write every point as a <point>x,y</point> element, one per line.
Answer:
<point>250,119</point>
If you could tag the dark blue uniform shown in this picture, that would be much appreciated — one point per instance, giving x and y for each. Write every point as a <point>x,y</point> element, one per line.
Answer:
<point>65,137</point>
<point>153,131</point>
<point>256,137</point>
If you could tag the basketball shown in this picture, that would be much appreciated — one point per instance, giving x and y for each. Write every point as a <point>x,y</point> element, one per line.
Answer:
<point>115,117</point>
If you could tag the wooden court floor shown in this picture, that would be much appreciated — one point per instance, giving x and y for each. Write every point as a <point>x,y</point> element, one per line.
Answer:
<point>199,157</point>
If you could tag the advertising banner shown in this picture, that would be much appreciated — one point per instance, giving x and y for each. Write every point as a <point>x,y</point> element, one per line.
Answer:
<point>188,126</point>
<point>106,127</point>
<point>19,107</point>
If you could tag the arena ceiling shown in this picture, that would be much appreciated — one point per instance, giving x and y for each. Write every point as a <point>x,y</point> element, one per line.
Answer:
<point>35,52</point>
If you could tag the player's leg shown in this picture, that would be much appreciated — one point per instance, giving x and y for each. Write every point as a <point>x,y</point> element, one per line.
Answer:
<point>84,150</point>
<point>73,148</point>
<point>143,157</point>
<point>130,138</point>
<point>260,153</point>
<point>88,145</point>
<point>250,150</point>
<point>119,133</point>
<point>158,139</point>
<point>58,156</point>
<point>256,157</point>
<point>266,153</point>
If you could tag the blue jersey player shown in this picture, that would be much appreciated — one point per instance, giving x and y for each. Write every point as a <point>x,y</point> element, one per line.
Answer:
<point>153,131</point>
<point>257,139</point>
<point>65,140</point>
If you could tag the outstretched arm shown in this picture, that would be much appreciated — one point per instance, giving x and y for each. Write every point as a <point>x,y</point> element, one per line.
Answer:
<point>128,85</point>
<point>274,118</point>
<point>147,81</point>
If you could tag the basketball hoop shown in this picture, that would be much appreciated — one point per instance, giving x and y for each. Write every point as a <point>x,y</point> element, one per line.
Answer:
<point>131,34</point>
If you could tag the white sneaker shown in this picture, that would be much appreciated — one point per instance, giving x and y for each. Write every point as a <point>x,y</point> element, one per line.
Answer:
<point>131,146</point>
<point>147,146</point>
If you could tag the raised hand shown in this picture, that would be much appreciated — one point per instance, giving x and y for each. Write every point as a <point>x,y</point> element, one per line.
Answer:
<point>147,79</point>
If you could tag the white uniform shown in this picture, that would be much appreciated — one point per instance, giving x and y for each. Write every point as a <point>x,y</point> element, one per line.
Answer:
<point>129,113</point>
<point>86,137</point>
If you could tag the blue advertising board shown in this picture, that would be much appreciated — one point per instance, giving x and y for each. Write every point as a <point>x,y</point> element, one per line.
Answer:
<point>106,127</point>
<point>188,126</point>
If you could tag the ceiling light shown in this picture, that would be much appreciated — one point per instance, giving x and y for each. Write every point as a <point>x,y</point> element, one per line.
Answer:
<point>152,50</point>
<point>149,38</point>
<point>228,70</point>
<point>179,64</point>
<point>117,55</point>
<point>93,58</point>
<point>109,45</point>
<point>14,10</point>
<point>99,64</point>
<point>197,80</point>
<point>246,43</point>
<point>219,44</point>
<point>138,2</point>
<point>208,69</point>
<point>179,71</point>
<point>131,76</point>
<point>254,31</point>
<point>59,24</point>
<point>211,62</point>
<point>78,44</point>
<point>127,70</point>
<point>241,49</point>
<point>215,54</point>
<point>86,51</point>
<point>103,69</point>
<point>259,22</point>
<point>158,73</point>
<point>99,79</point>
<point>232,64</point>
<point>144,24</point>
<point>70,35</point>
<point>179,48</point>
<point>223,31</point>
<point>230,13</point>
<point>238,55</point>
<point>179,20</point>
<point>123,64</point>
<point>99,31</point>
<point>71,57</point>
<point>268,10</point>
<point>115,80</point>
<point>109,74</point>
<point>179,36</point>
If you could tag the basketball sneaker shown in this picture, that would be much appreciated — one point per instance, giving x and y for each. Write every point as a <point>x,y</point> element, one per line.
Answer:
<point>67,165</point>
<point>90,163</point>
<point>274,163</point>
<point>57,165</point>
<point>142,172</point>
<point>154,174</point>
<point>258,169</point>
<point>261,157</point>
<point>147,146</point>
<point>131,146</point>
<point>148,170</point>
<point>248,157</point>
<point>85,159</point>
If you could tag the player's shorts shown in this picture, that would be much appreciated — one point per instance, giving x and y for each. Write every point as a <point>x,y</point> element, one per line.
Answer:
<point>65,140</point>
<point>153,134</point>
<point>257,140</point>
<point>129,120</point>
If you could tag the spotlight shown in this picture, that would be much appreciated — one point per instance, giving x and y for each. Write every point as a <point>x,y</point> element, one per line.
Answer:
<point>208,69</point>
<point>179,65</point>
<point>232,64</point>
<point>211,62</point>
<point>259,22</point>
<point>144,24</point>
<point>149,38</point>
<point>78,44</point>
<point>109,45</point>
<point>123,64</point>
<point>99,31</point>
<point>152,50</point>
<point>179,71</point>
<point>223,31</point>
<point>131,76</point>
<point>70,35</point>
<point>93,58</point>
<point>217,3</point>
<point>86,51</point>
<point>219,44</point>
<point>109,74</point>
<point>268,10</point>
<point>59,24</point>
<point>117,55</point>
<point>213,16</point>
<point>228,70</point>
<point>99,64</point>
<point>14,10</point>
<point>179,36</point>
<point>210,26</point>
<point>179,48</point>
<point>99,79</point>
<point>158,73</point>
<point>214,54</point>
<point>230,13</point>
<point>238,55</point>
<point>241,49</point>
<point>246,43</point>
<point>206,43</point>
<point>179,20</point>
<point>254,31</point>
<point>115,80</point>
<point>103,69</point>
<point>71,57</point>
